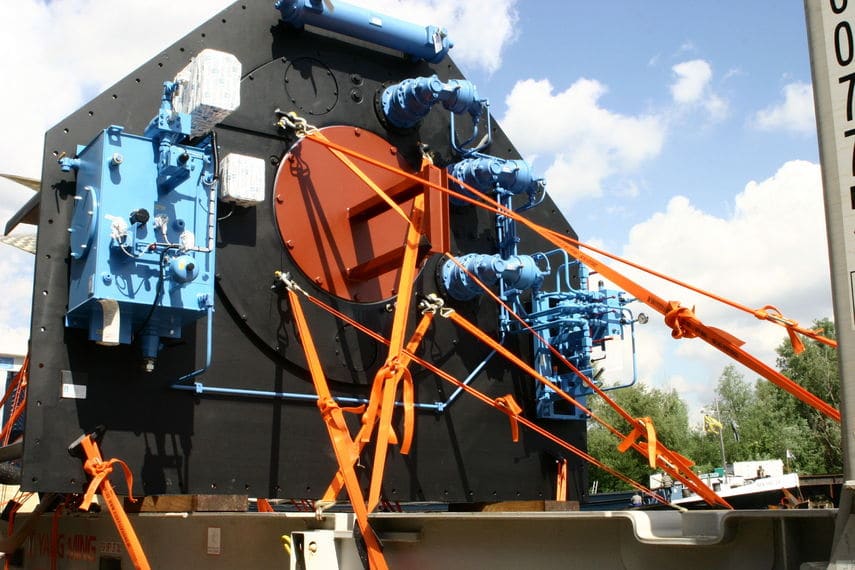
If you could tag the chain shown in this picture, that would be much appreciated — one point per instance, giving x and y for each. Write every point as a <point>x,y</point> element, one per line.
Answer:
<point>291,120</point>
<point>431,303</point>
<point>290,284</point>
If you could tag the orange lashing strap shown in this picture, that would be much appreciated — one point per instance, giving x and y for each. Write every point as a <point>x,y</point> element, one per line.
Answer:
<point>95,466</point>
<point>346,450</point>
<point>393,367</point>
<point>317,136</point>
<point>690,479</point>
<point>481,200</point>
<point>731,347</point>
<point>687,325</point>
<point>99,471</point>
<point>407,278</point>
<point>682,460</point>
<point>333,416</point>
<point>771,313</point>
<point>508,405</point>
<point>491,402</point>
<point>796,341</point>
<point>385,433</point>
<point>371,415</point>
<point>643,427</point>
<point>561,480</point>
<point>674,317</point>
<point>408,397</point>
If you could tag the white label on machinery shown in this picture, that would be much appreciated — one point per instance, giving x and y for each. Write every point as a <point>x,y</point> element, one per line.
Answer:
<point>111,324</point>
<point>74,391</point>
<point>833,40</point>
<point>214,540</point>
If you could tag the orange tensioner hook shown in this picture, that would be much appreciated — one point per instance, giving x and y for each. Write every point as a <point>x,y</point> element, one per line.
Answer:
<point>86,447</point>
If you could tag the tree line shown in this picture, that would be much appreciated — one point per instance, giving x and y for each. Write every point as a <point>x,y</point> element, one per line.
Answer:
<point>758,419</point>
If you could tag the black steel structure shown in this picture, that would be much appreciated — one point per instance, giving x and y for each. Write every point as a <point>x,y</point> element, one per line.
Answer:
<point>180,442</point>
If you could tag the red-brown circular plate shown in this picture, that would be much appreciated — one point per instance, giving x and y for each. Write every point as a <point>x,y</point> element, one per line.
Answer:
<point>313,194</point>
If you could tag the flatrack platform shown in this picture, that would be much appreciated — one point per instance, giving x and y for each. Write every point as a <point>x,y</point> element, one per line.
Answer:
<point>544,540</point>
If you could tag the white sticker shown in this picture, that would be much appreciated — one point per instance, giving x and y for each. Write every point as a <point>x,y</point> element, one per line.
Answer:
<point>214,545</point>
<point>111,326</point>
<point>74,391</point>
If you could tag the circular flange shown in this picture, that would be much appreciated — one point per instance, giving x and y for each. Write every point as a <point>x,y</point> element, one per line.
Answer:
<point>316,199</point>
<point>311,86</point>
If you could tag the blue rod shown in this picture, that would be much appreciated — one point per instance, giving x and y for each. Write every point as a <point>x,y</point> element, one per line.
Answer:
<point>199,388</point>
<point>634,358</point>
<point>208,345</point>
<point>472,375</point>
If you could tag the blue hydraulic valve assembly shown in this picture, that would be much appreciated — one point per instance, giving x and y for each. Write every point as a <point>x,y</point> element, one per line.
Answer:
<point>571,320</point>
<point>429,43</point>
<point>506,177</point>
<point>518,272</point>
<point>408,102</point>
<point>142,232</point>
<point>574,321</point>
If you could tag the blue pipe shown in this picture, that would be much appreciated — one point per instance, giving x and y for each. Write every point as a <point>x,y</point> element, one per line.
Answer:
<point>462,147</point>
<point>477,370</point>
<point>208,345</point>
<point>200,388</point>
<point>632,382</point>
<point>429,43</point>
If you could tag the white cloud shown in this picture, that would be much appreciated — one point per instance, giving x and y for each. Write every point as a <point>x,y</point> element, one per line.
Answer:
<point>795,113</point>
<point>585,142</point>
<point>692,80</point>
<point>691,88</point>
<point>588,151</point>
<point>480,29</point>
<point>686,47</point>
<point>746,257</point>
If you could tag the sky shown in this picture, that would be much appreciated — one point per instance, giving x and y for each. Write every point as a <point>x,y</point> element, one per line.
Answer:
<point>678,134</point>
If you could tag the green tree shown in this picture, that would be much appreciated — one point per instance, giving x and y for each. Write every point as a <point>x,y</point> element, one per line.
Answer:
<point>670,417</point>
<point>770,421</point>
<point>734,405</point>
<point>816,370</point>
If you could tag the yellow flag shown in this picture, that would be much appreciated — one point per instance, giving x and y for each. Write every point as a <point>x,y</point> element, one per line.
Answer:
<point>711,425</point>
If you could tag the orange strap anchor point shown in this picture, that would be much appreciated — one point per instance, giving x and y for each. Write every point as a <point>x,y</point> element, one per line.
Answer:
<point>508,405</point>
<point>772,313</point>
<point>643,427</point>
<point>345,448</point>
<point>673,319</point>
<point>99,470</point>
